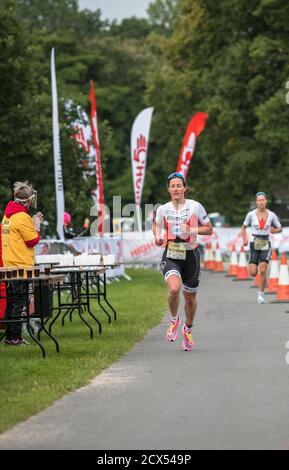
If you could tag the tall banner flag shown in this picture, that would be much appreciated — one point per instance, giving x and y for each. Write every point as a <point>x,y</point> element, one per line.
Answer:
<point>139,140</point>
<point>81,134</point>
<point>196,126</point>
<point>57,155</point>
<point>99,178</point>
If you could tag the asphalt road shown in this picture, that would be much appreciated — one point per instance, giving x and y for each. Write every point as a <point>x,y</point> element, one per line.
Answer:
<point>231,392</point>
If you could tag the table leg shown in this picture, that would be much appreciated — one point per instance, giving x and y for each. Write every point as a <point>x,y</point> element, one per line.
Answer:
<point>43,327</point>
<point>78,276</point>
<point>88,303</point>
<point>30,331</point>
<point>104,296</point>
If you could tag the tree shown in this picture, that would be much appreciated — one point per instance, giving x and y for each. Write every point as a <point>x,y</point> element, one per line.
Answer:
<point>82,53</point>
<point>231,59</point>
<point>163,15</point>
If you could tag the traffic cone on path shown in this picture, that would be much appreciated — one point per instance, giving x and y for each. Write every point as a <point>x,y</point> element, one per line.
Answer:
<point>233,268</point>
<point>273,275</point>
<point>219,265</point>
<point>211,261</point>
<point>283,283</point>
<point>206,257</point>
<point>243,272</point>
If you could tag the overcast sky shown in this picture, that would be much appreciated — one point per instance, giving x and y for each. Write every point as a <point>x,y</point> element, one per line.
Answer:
<point>117,9</point>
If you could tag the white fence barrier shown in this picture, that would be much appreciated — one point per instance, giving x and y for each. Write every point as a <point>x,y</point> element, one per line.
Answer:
<point>107,246</point>
<point>139,247</point>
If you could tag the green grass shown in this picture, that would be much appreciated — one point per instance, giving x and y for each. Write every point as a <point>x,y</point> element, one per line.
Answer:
<point>29,383</point>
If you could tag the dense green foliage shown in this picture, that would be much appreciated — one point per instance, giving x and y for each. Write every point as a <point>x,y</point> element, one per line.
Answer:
<point>228,58</point>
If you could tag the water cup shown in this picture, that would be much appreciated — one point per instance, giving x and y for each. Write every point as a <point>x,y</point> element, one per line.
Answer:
<point>8,274</point>
<point>29,273</point>
<point>108,260</point>
<point>21,272</point>
<point>36,272</point>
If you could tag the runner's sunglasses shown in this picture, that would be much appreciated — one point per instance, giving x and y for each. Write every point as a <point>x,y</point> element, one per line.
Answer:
<point>176,175</point>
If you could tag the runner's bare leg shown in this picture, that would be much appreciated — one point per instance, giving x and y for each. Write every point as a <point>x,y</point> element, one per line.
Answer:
<point>262,276</point>
<point>190,306</point>
<point>174,283</point>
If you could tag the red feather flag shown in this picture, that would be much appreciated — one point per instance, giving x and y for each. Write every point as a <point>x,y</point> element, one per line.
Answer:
<point>98,169</point>
<point>196,126</point>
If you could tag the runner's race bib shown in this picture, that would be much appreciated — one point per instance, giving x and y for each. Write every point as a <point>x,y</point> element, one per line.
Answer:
<point>261,244</point>
<point>176,251</point>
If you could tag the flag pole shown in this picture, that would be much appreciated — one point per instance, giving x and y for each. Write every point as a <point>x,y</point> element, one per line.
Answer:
<point>59,189</point>
<point>98,168</point>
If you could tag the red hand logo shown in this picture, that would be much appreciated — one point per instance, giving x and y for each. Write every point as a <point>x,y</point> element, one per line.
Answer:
<point>141,146</point>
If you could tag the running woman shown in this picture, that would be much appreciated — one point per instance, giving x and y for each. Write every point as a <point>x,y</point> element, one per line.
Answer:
<point>176,226</point>
<point>263,223</point>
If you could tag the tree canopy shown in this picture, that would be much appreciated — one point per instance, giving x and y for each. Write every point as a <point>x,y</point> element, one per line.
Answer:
<point>228,58</point>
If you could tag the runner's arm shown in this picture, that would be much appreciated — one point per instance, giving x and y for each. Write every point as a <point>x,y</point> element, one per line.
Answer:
<point>246,223</point>
<point>276,229</point>
<point>159,240</point>
<point>204,226</point>
<point>205,229</point>
<point>200,225</point>
<point>276,226</point>
<point>244,235</point>
<point>157,229</point>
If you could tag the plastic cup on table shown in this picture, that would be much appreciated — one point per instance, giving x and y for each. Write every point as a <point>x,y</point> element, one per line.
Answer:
<point>20,271</point>
<point>108,260</point>
<point>29,272</point>
<point>36,272</point>
<point>14,272</point>
<point>8,273</point>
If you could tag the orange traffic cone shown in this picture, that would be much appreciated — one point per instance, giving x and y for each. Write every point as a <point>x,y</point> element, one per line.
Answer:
<point>206,257</point>
<point>243,272</point>
<point>219,265</point>
<point>211,262</point>
<point>274,274</point>
<point>233,268</point>
<point>283,282</point>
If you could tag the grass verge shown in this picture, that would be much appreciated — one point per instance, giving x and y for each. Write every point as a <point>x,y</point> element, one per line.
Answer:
<point>30,383</point>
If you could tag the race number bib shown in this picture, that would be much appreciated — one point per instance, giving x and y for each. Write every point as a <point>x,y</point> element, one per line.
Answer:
<point>261,244</point>
<point>176,251</point>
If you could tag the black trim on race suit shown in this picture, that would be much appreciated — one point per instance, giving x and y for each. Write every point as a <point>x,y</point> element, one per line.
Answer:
<point>188,270</point>
<point>259,256</point>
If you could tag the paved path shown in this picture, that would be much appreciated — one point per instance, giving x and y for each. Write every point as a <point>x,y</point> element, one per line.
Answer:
<point>231,392</point>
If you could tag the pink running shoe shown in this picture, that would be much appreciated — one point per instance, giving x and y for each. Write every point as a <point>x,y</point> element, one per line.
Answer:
<point>172,333</point>
<point>188,342</point>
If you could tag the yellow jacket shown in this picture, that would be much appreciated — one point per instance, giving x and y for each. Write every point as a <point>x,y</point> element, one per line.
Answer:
<point>19,236</point>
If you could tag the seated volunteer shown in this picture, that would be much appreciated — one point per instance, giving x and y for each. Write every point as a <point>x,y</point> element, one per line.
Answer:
<point>176,226</point>
<point>20,234</point>
<point>263,222</point>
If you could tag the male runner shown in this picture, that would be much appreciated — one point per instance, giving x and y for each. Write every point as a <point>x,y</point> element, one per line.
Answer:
<point>176,226</point>
<point>263,222</point>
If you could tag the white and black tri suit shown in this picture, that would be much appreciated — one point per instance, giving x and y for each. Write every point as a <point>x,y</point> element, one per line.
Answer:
<point>260,246</point>
<point>181,256</point>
